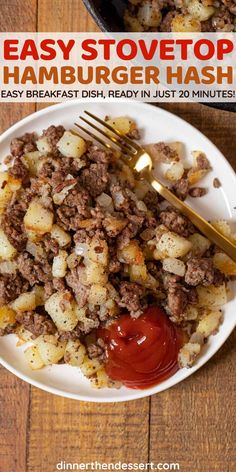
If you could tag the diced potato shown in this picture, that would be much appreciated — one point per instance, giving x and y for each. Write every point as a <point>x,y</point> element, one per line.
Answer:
<point>131,254</point>
<point>24,335</point>
<point>212,296</point>
<point>174,266</point>
<point>33,358</point>
<point>127,175</point>
<point>195,175</point>
<point>95,273</point>
<point>121,124</point>
<point>191,313</point>
<point>4,176</point>
<point>73,260</point>
<point>109,308</point>
<point>72,145</point>
<point>200,244</point>
<point>199,11</point>
<point>61,311</point>
<point>209,324</point>
<point>151,283</point>
<point>33,236</point>
<point>5,197</point>
<point>60,235</point>
<point>97,294</point>
<point>80,312</point>
<point>35,250</point>
<point>7,316</point>
<point>8,267</point>
<point>160,230</point>
<point>188,354</point>
<point>112,292</point>
<point>224,263</point>
<point>200,156</point>
<point>185,23</point>
<point>59,265</point>
<point>170,152</point>
<point>38,290</point>
<point>43,145</point>
<point>98,251</point>
<point>50,349</point>
<point>13,183</point>
<point>138,273</point>
<point>38,218</point>
<point>173,245</point>
<point>158,255</point>
<point>74,353</point>
<point>148,15</point>
<point>90,366</point>
<point>25,302</point>
<point>113,225</point>
<point>224,228</point>
<point>197,338</point>
<point>175,172</point>
<point>7,251</point>
<point>32,160</point>
<point>101,380</point>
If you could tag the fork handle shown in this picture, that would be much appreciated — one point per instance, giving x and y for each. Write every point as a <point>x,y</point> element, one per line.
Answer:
<point>206,228</point>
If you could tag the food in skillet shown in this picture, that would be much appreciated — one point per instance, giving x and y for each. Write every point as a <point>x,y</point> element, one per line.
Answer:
<point>180,16</point>
<point>96,270</point>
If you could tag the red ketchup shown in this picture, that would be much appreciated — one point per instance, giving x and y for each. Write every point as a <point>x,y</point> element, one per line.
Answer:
<point>142,352</point>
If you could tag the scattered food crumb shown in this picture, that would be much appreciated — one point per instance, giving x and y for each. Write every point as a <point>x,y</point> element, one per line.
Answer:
<point>216,183</point>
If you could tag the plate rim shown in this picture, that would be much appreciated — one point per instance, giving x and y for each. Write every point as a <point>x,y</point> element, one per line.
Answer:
<point>187,372</point>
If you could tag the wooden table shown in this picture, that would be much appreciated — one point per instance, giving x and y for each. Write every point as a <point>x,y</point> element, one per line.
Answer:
<point>192,423</point>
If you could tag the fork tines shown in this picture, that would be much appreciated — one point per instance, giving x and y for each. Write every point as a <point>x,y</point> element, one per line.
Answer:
<point>123,142</point>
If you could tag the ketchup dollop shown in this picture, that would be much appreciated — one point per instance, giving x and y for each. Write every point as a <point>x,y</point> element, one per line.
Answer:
<point>142,352</point>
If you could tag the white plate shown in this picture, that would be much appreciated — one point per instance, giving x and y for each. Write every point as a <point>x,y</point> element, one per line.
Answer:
<point>157,125</point>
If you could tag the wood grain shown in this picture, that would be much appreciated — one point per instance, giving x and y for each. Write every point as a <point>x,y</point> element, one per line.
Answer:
<point>64,15</point>
<point>62,429</point>
<point>193,423</point>
<point>15,394</point>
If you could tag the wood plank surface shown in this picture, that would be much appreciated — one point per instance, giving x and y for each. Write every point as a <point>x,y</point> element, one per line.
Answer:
<point>194,422</point>
<point>14,394</point>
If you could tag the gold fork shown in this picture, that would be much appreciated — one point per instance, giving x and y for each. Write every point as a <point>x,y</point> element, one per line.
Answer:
<point>139,160</point>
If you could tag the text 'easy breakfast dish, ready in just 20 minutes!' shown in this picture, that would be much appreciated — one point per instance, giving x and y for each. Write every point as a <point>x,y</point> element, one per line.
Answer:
<point>96,269</point>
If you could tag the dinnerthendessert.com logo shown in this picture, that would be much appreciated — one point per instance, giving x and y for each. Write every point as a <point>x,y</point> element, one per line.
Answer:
<point>62,465</point>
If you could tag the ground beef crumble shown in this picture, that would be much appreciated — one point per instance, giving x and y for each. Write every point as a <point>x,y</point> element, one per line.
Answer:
<point>11,286</point>
<point>197,192</point>
<point>200,271</point>
<point>34,271</point>
<point>19,170</point>
<point>12,224</point>
<point>179,296</point>
<point>132,298</point>
<point>95,178</point>
<point>53,134</point>
<point>176,222</point>
<point>216,183</point>
<point>181,188</point>
<point>24,144</point>
<point>36,323</point>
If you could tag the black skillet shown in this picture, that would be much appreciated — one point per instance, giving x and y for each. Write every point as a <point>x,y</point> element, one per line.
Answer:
<point>108,15</point>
